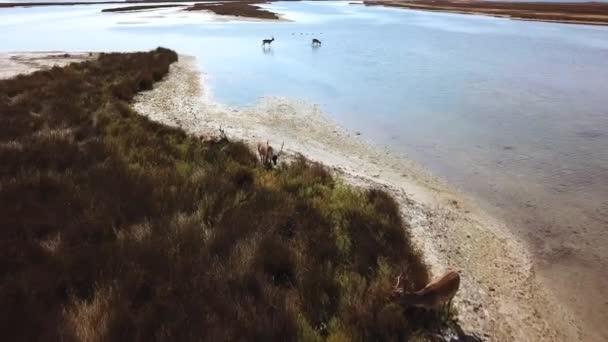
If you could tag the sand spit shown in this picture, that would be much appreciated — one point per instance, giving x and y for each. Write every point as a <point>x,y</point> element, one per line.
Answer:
<point>500,297</point>
<point>12,64</point>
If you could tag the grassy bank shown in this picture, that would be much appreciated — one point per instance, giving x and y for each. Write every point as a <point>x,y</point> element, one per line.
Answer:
<point>114,227</point>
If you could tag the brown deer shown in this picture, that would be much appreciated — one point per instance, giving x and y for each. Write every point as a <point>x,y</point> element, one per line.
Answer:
<point>316,42</point>
<point>267,153</point>
<point>435,295</point>
<point>267,41</point>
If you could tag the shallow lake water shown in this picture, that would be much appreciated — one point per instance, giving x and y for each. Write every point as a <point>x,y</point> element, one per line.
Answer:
<point>514,113</point>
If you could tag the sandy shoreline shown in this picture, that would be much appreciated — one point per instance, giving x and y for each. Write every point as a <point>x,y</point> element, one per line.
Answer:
<point>500,298</point>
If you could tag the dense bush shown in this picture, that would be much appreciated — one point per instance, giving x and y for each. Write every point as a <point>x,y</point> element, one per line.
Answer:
<point>113,227</point>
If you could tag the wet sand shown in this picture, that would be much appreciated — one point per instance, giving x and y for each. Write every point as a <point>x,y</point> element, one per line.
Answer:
<point>591,13</point>
<point>501,297</point>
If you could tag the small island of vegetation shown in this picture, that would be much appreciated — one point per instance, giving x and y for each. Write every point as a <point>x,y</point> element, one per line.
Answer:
<point>138,8</point>
<point>235,8</point>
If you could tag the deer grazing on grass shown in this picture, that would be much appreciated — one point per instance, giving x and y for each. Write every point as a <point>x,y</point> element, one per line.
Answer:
<point>267,153</point>
<point>316,42</point>
<point>435,295</point>
<point>212,139</point>
<point>267,41</point>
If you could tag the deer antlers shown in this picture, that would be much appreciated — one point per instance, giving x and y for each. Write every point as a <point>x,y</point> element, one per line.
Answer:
<point>277,155</point>
<point>397,289</point>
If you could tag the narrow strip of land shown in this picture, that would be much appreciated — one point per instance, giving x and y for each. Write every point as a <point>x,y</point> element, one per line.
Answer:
<point>566,12</point>
<point>237,8</point>
<point>108,216</point>
<point>137,8</point>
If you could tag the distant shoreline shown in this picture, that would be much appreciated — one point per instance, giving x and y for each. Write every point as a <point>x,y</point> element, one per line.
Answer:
<point>587,13</point>
<point>498,298</point>
<point>138,8</point>
<point>237,8</point>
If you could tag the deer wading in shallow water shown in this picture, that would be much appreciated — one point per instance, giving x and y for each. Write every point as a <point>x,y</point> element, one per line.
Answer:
<point>435,295</point>
<point>267,41</point>
<point>267,153</point>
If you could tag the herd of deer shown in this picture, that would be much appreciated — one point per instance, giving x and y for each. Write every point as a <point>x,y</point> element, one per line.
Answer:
<point>265,42</point>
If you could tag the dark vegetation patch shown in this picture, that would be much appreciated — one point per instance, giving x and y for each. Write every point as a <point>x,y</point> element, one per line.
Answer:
<point>137,8</point>
<point>114,227</point>
<point>235,8</point>
<point>38,4</point>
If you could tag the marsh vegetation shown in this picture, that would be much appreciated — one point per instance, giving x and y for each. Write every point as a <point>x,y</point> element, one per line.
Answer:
<point>115,227</point>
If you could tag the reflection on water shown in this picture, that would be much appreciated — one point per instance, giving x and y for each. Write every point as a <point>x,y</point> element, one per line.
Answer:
<point>513,112</point>
<point>267,50</point>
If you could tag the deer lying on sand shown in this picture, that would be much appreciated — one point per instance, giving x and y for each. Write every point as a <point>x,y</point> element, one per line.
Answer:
<point>316,42</point>
<point>267,41</point>
<point>435,295</point>
<point>267,153</point>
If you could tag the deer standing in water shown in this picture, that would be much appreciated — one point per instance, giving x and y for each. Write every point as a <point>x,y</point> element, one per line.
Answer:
<point>267,41</point>
<point>435,295</point>
<point>316,42</point>
<point>267,154</point>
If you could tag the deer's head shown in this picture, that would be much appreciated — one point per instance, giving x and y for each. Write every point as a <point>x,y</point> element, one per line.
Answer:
<point>397,288</point>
